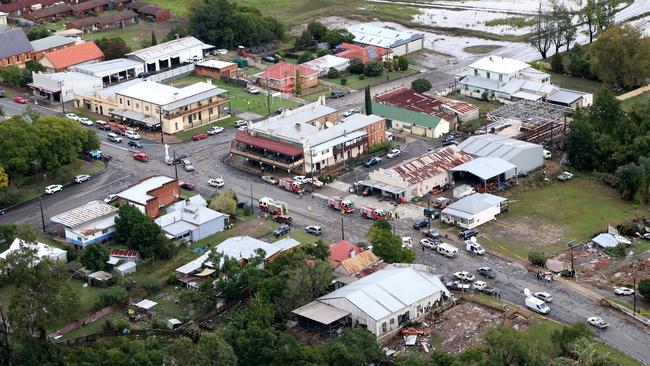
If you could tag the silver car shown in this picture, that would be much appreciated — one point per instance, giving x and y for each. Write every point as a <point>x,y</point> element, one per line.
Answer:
<point>187,165</point>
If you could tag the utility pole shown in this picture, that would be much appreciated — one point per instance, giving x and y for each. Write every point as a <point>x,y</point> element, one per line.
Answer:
<point>251,198</point>
<point>40,195</point>
<point>342,230</point>
<point>429,210</point>
<point>61,97</point>
<point>175,165</point>
<point>162,134</point>
<point>573,272</point>
<point>268,96</point>
<point>634,267</point>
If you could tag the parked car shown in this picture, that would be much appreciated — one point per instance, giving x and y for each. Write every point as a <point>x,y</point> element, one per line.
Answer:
<point>214,130</point>
<point>2,93</point>
<point>350,112</point>
<point>254,90</point>
<point>113,137</point>
<point>81,178</point>
<point>450,142</point>
<point>301,179</point>
<point>102,125</point>
<point>407,242</point>
<point>136,144</point>
<point>486,271</point>
<point>337,94</point>
<point>110,199</point>
<point>269,59</point>
<point>480,285</point>
<point>432,233</point>
<point>623,291</point>
<point>420,224</point>
<point>240,123</point>
<point>175,160</point>
<point>200,136</point>
<point>429,243</point>
<point>393,153</point>
<point>188,186</point>
<point>20,100</point>
<point>597,322</point>
<point>457,285</point>
<point>466,234</point>
<point>132,135</point>
<point>143,75</point>
<point>242,128</point>
<point>283,219</point>
<point>283,229</point>
<point>141,157</point>
<point>473,247</point>
<point>544,296</point>
<point>270,179</point>
<point>222,51</point>
<point>216,182</point>
<point>53,188</point>
<point>536,304</point>
<point>564,176</point>
<point>85,121</point>
<point>465,276</point>
<point>187,165</point>
<point>72,116</point>
<point>432,213</point>
<point>314,230</point>
<point>372,161</point>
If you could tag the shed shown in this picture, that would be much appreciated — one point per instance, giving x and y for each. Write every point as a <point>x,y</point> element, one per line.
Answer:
<point>484,169</point>
<point>474,210</point>
<point>125,268</point>
<point>525,155</point>
<point>145,304</point>
<point>323,317</point>
<point>402,119</point>
<point>173,323</point>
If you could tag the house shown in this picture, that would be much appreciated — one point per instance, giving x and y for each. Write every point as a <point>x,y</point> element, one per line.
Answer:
<point>445,108</point>
<point>400,42</point>
<point>188,221</point>
<point>19,8</point>
<point>324,63</point>
<point>282,77</point>
<point>150,194</point>
<point>58,85</point>
<point>91,223</point>
<point>154,13</point>
<point>342,251</point>
<point>525,155</point>
<point>364,53</point>
<point>381,302</point>
<point>89,7</point>
<point>405,120</point>
<point>216,69</point>
<point>41,251</point>
<point>112,71</point>
<point>159,106</point>
<point>474,210</point>
<point>60,60</point>
<point>418,176</point>
<point>352,266</point>
<point>107,22</point>
<point>49,44</point>
<point>16,48</point>
<point>102,101</point>
<point>49,14</point>
<point>171,54</point>
<point>70,33</point>
<point>510,80</point>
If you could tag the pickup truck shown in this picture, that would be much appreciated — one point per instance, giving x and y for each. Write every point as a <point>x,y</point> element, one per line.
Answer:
<point>456,285</point>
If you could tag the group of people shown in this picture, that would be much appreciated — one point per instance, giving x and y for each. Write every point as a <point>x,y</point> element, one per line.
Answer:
<point>541,276</point>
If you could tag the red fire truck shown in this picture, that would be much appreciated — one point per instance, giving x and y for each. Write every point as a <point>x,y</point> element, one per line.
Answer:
<point>372,213</point>
<point>272,206</point>
<point>340,204</point>
<point>287,184</point>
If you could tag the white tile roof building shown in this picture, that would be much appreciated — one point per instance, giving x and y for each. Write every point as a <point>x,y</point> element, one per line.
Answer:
<point>474,210</point>
<point>400,42</point>
<point>42,251</point>
<point>188,221</point>
<point>525,155</point>
<point>91,223</point>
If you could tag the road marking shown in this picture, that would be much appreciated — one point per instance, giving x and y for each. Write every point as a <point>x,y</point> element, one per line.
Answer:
<point>100,187</point>
<point>115,146</point>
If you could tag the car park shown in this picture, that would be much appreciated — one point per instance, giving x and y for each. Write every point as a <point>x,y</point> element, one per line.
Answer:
<point>447,250</point>
<point>132,135</point>
<point>283,229</point>
<point>188,186</point>
<point>214,130</point>
<point>565,176</point>
<point>420,224</point>
<point>20,100</point>
<point>141,157</point>
<point>464,276</point>
<point>597,322</point>
<point>52,189</point>
<point>393,153</point>
<point>544,296</point>
<point>432,233</point>
<point>314,230</point>
<point>466,234</point>
<point>136,144</point>
<point>372,161</point>
<point>113,137</point>
<point>187,165</point>
<point>85,121</point>
<point>623,291</point>
<point>337,94</point>
<point>486,272</point>
<point>200,136</point>
<point>110,198</point>
<point>216,182</point>
<point>429,243</point>
<point>270,179</point>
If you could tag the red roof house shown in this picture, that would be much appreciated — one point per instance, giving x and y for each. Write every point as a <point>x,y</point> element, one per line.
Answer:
<point>282,76</point>
<point>364,53</point>
<point>342,251</point>
<point>60,60</point>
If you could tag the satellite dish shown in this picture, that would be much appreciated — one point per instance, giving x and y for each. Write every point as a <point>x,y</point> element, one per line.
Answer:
<point>527,292</point>
<point>318,124</point>
<point>473,239</point>
<point>328,124</point>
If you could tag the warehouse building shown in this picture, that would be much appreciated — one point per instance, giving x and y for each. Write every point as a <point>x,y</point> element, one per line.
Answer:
<point>525,155</point>
<point>63,85</point>
<point>400,42</point>
<point>112,71</point>
<point>170,54</point>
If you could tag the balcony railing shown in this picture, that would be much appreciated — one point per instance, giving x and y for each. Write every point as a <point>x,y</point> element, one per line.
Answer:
<point>266,159</point>
<point>202,106</point>
<point>340,148</point>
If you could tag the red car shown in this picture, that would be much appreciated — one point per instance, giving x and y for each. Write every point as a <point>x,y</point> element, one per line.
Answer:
<point>188,186</point>
<point>200,136</point>
<point>141,156</point>
<point>20,100</point>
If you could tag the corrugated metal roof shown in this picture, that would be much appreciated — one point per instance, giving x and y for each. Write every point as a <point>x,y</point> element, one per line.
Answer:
<point>107,67</point>
<point>359,262</point>
<point>82,214</point>
<point>268,144</point>
<point>473,204</point>
<point>319,312</point>
<point>565,96</point>
<point>485,167</point>
<point>380,36</point>
<point>431,164</point>
<point>489,145</point>
<point>138,192</point>
<point>14,42</point>
<point>418,102</point>
<point>50,42</point>
<point>171,48</point>
<point>405,115</point>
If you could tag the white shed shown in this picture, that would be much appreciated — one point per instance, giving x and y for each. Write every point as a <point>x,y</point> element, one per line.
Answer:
<point>125,268</point>
<point>525,155</point>
<point>474,210</point>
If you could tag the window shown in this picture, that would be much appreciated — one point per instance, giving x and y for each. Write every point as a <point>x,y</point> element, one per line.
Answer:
<point>120,100</point>
<point>78,238</point>
<point>209,100</point>
<point>105,231</point>
<point>392,321</point>
<point>176,126</point>
<point>384,327</point>
<point>210,111</point>
<point>475,72</point>
<point>137,105</point>
<point>500,77</point>
<point>487,74</point>
<point>146,108</point>
<point>128,102</point>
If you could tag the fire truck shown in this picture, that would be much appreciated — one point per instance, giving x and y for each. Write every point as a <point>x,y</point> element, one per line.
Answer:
<point>272,206</point>
<point>294,187</point>
<point>372,213</point>
<point>340,204</point>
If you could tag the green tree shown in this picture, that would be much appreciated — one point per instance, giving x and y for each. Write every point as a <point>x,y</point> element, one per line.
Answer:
<point>621,57</point>
<point>564,337</point>
<point>303,41</point>
<point>224,201</point>
<point>94,257</point>
<point>305,57</point>
<point>557,63</point>
<point>324,51</point>
<point>588,15</point>
<point>384,243</point>
<point>579,143</point>
<point>579,62</point>
<point>332,73</point>
<point>355,347</point>
<point>4,178</point>
<point>356,66</point>
<point>537,258</point>
<point>644,288</point>
<point>505,347</point>
<point>113,48</point>
<point>374,68</point>
<point>402,63</point>
<point>154,41</point>
<point>176,32</point>
<point>335,37</point>
<point>440,358</point>
<point>298,88</point>
<point>132,227</point>
<point>212,350</point>
<point>12,75</point>
<point>38,33</point>
<point>421,85</point>
<point>317,30</point>
<point>563,28</point>
<point>368,100</point>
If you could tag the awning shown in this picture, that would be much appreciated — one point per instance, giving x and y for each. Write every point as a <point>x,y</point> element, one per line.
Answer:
<point>485,167</point>
<point>321,312</point>
<point>146,304</point>
<point>138,117</point>
<point>113,260</point>
<point>268,144</point>
<point>382,186</point>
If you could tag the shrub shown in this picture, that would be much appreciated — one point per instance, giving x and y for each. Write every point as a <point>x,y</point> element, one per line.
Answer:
<point>113,295</point>
<point>644,289</point>
<point>374,68</point>
<point>323,52</point>
<point>537,258</point>
<point>617,251</point>
<point>421,85</point>
<point>356,66</point>
<point>332,73</point>
<point>557,63</point>
<point>305,57</point>
<point>344,81</point>
<point>382,146</point>
<point>362,77</point>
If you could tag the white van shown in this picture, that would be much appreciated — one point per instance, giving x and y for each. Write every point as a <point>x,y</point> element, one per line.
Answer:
<point>447,250</point>
<point>389,136</point>
<point>473,246</point>
<point>536,304</point>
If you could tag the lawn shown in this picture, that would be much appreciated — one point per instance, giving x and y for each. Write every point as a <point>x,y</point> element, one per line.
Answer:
<point>575,83</point>
<point>187,135</point>
<point>354,82</point>
<point>178,7</point>
<point>630,103</point>
<point>548,217</point>
<point>135,34</point>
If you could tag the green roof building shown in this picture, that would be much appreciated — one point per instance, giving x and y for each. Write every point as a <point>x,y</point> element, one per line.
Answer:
<point>408,121</point>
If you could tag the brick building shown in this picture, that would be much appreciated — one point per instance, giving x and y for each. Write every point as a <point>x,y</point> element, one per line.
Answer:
<point>150,194</point>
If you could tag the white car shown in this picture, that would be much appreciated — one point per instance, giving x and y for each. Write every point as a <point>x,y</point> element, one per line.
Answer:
<point>393,153</point>
<point>480,285</point>
<point>623,291</point>
<point>81,178</point>
<point>72,116</point>
<point>544,296</point>
<point>222,51</point>
<point>597,322</point>
<point>407,242</point>
<point>85,121</point>
<point>564,176</point>
<point>301,179</point>
<point>110,198</point>
<point>53,188</point>
<point>132,135</point>
<point>254,90</point>
<point>215,130</point>
<point>243,128</point>
<point>350,112</point>
<point>428,244</point>
<point>465,276</point>
<point>216,182</point>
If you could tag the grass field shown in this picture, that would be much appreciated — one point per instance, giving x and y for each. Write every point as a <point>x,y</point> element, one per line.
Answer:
<point>355,83</point>
<point>135,34</point>
<point>546,218</point>
<point>187,135</point>
<point>629,104</point>
<point>571,82</point>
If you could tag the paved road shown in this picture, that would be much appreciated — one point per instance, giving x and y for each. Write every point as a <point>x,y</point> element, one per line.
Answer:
<point>12,108</point>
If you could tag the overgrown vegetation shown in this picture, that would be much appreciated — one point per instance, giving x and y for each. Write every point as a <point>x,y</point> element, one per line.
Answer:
<point>387,245</point>
<point>515,22</point>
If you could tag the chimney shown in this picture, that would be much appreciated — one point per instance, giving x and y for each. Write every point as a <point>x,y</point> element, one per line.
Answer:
<point>352,253</point>
<point>209,81</point>
<point>176,96</point>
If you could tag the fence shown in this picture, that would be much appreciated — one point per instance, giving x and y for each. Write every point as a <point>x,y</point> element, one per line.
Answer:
<point>634,93</point>
<point>131,333</point>
<point>88,319</point>
<point>178,72</point>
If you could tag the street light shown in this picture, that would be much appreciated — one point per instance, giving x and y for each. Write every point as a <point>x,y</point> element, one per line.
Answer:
<point>61,95</point>
<point>40,196</point>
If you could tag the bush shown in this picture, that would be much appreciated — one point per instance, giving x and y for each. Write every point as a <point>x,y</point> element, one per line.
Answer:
<point>323,52</point>
<point>113,295</point>
<point>644,289</point>
<point>557,63</point>
<point>356,66</point>
<point>380,147</point>
<point>332,73</point>
<point>344,81</point>
<point>537,258</point>
<point>421,85</point>
<point>362,77</point>
<point>402,63</point>
<point>374,68</point>
<point>617,251</point>
<point>305,57</point>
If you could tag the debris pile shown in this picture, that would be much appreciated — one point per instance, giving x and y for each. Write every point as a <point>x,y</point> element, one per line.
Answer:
<point>464,325</point>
